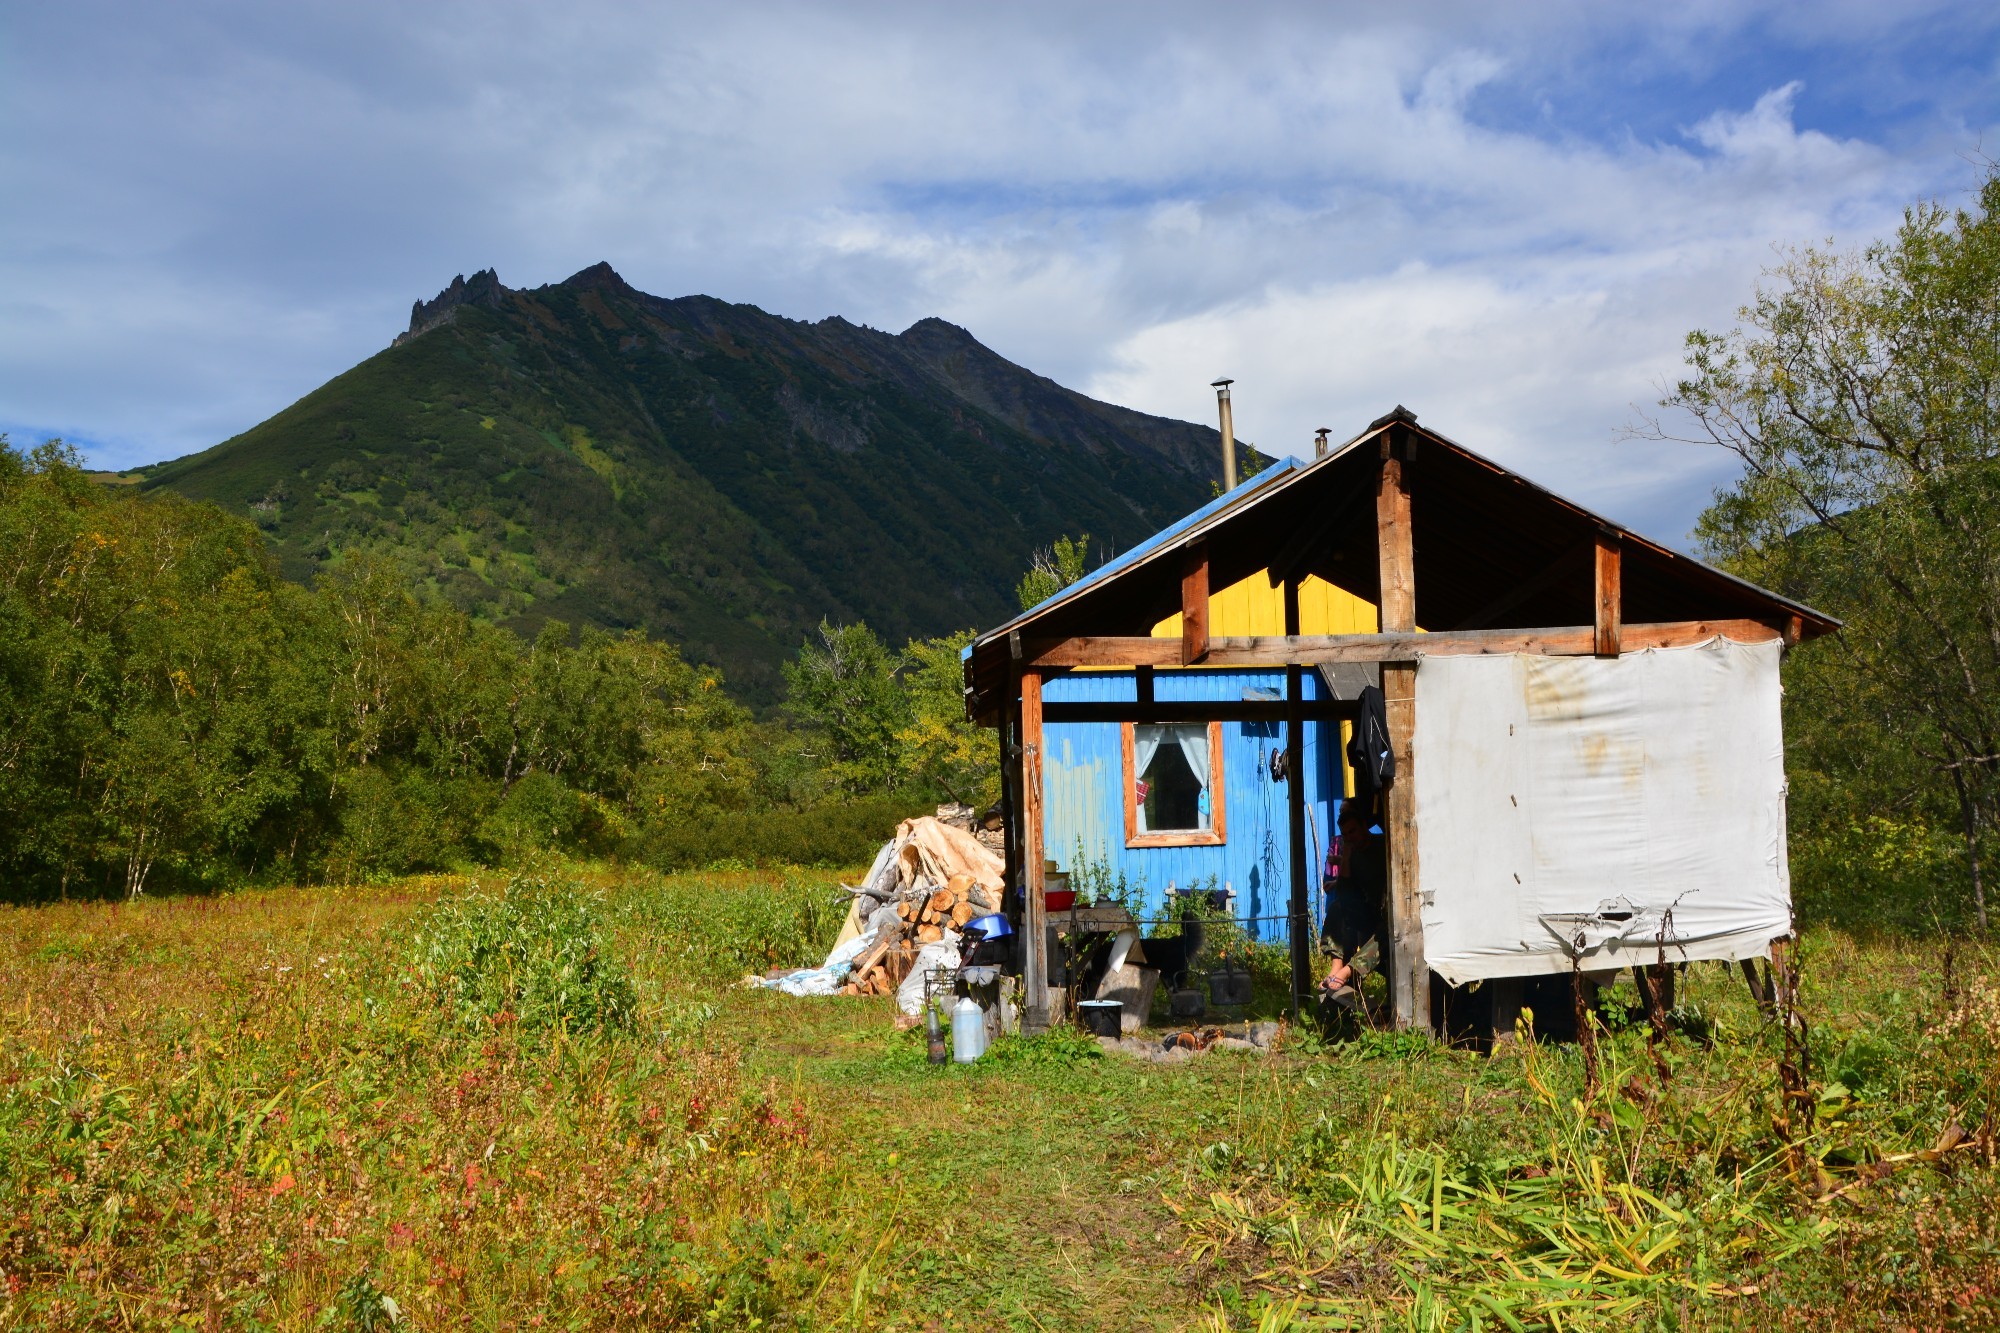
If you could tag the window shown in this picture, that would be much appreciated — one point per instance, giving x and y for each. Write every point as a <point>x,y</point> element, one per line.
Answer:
<point>1173,784</point>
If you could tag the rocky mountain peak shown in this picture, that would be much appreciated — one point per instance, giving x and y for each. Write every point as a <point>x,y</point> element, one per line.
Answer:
<point>482,289</point>
<point>599,277</point>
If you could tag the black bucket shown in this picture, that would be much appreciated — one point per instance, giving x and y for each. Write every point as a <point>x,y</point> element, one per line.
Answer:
<point>1229,987</point>
<point>1101,1018</point>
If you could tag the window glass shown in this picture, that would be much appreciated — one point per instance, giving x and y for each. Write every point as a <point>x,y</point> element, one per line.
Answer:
<point>1173,765</point>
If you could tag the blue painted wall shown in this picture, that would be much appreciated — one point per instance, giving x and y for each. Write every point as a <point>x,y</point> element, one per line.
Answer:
<point>1084,796</point>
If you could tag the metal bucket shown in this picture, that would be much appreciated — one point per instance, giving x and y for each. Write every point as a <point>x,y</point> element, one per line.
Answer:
<point>1101,1018</point>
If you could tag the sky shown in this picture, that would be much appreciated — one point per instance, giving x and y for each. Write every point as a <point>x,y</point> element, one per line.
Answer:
<point>1506,217</point>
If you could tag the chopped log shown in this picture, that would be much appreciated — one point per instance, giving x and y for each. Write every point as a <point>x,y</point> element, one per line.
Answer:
<point>850,989</point>
<point>930,934</point>
<point>906,910</point>
<point>867,961</point>
<point>942,901</point>
<point>963,913</point>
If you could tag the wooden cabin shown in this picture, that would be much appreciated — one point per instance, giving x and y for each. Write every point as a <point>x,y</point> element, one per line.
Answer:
<point>1585,723</point>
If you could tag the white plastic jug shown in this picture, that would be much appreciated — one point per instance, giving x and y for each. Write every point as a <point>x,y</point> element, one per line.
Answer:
<point>968,1030</point>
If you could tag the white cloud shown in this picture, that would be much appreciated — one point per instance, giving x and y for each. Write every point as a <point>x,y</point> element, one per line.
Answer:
<point>1441,204</point>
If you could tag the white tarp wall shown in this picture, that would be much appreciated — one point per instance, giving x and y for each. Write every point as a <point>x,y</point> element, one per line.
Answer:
<point>1567,798</point>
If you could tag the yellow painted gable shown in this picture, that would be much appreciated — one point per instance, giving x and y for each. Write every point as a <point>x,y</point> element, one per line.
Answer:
<point>1253,606</point>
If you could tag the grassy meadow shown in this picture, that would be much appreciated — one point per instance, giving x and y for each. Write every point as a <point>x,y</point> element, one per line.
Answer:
<point>440,1103</point>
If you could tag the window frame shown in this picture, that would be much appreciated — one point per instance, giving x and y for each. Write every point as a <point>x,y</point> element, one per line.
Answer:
<point>1213,836</point>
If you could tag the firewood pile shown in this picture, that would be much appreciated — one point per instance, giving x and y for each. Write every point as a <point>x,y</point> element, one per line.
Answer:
<point>927,882</point>
<point>988,829</point>
<point>918,917</point>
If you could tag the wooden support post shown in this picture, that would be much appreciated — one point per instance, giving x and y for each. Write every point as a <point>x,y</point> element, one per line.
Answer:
<point>1608,615</point>
<point>1010,803</point>
<point>1505,996</point>
<point>1782,979</point>
<point>1409,973</point>
<point>1194,604</point>
<point>1034,914</point>
<point>1295,804</point>
<point>1760,987</point>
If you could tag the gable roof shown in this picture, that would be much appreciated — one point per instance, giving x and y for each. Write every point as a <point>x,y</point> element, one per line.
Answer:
<point>1491,550</point>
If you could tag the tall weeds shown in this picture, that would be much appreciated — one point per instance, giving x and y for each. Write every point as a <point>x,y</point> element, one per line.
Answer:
<point>533,954</point>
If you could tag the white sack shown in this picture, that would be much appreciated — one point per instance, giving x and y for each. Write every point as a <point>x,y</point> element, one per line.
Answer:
<point>1567,797</point>
<point>938,953</point>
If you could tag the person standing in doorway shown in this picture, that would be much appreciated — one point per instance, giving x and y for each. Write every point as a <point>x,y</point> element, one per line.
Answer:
<point>1356,902</point>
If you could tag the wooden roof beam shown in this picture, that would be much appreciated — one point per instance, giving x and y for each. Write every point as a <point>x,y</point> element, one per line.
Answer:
<point>1274,650</point>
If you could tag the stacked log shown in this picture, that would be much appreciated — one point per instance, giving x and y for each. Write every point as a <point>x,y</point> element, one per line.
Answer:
<point>882,968</point>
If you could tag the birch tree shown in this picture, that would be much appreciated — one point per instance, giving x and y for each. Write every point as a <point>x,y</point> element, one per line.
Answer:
<point>1861,393</point>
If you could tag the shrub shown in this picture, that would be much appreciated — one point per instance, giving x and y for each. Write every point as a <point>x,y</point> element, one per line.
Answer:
<point>398,820</point>
<point>534,951</point>
<point>720,927</point>
<point>833,834</point>
<point>360,1307</point>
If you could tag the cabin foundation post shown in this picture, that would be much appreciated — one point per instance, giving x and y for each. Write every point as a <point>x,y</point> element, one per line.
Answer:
<point>1409,974</point>
<point>1504,995</point>
<point>1034,911</point>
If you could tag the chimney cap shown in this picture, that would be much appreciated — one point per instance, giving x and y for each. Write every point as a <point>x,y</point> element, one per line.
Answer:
<point>1323,430</point>
<point>1220,384</point>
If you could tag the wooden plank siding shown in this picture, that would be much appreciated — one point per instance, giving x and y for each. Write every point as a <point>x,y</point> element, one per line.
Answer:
<point>1084,769</point>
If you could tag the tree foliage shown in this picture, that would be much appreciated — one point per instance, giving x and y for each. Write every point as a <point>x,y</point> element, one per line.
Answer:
<point>844,689</point>
<point>888,720</point>
<point>171,710</point>
<point>1862,395</point>
<point>1051,569</point>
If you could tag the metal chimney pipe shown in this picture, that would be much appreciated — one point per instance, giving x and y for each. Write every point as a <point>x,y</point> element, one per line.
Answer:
<point>1319,441</point>
<point>1221,388</point>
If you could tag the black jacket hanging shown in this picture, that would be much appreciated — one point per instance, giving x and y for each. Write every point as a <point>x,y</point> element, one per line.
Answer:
<point>1368,752</point>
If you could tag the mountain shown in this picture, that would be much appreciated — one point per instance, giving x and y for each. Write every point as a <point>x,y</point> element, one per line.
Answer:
<point>716,475</point>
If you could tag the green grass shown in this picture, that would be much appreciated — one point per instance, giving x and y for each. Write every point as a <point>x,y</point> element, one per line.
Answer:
<point>262,1111</point>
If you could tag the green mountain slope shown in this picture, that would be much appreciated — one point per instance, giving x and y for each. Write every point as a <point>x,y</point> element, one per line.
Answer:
<point>717,475</point>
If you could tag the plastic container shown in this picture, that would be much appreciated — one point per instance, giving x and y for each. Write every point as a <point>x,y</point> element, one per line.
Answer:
<point>1057,895</point>
<point>994,926</point>
<point>1101,1018</point>
<point>968,1030</point>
